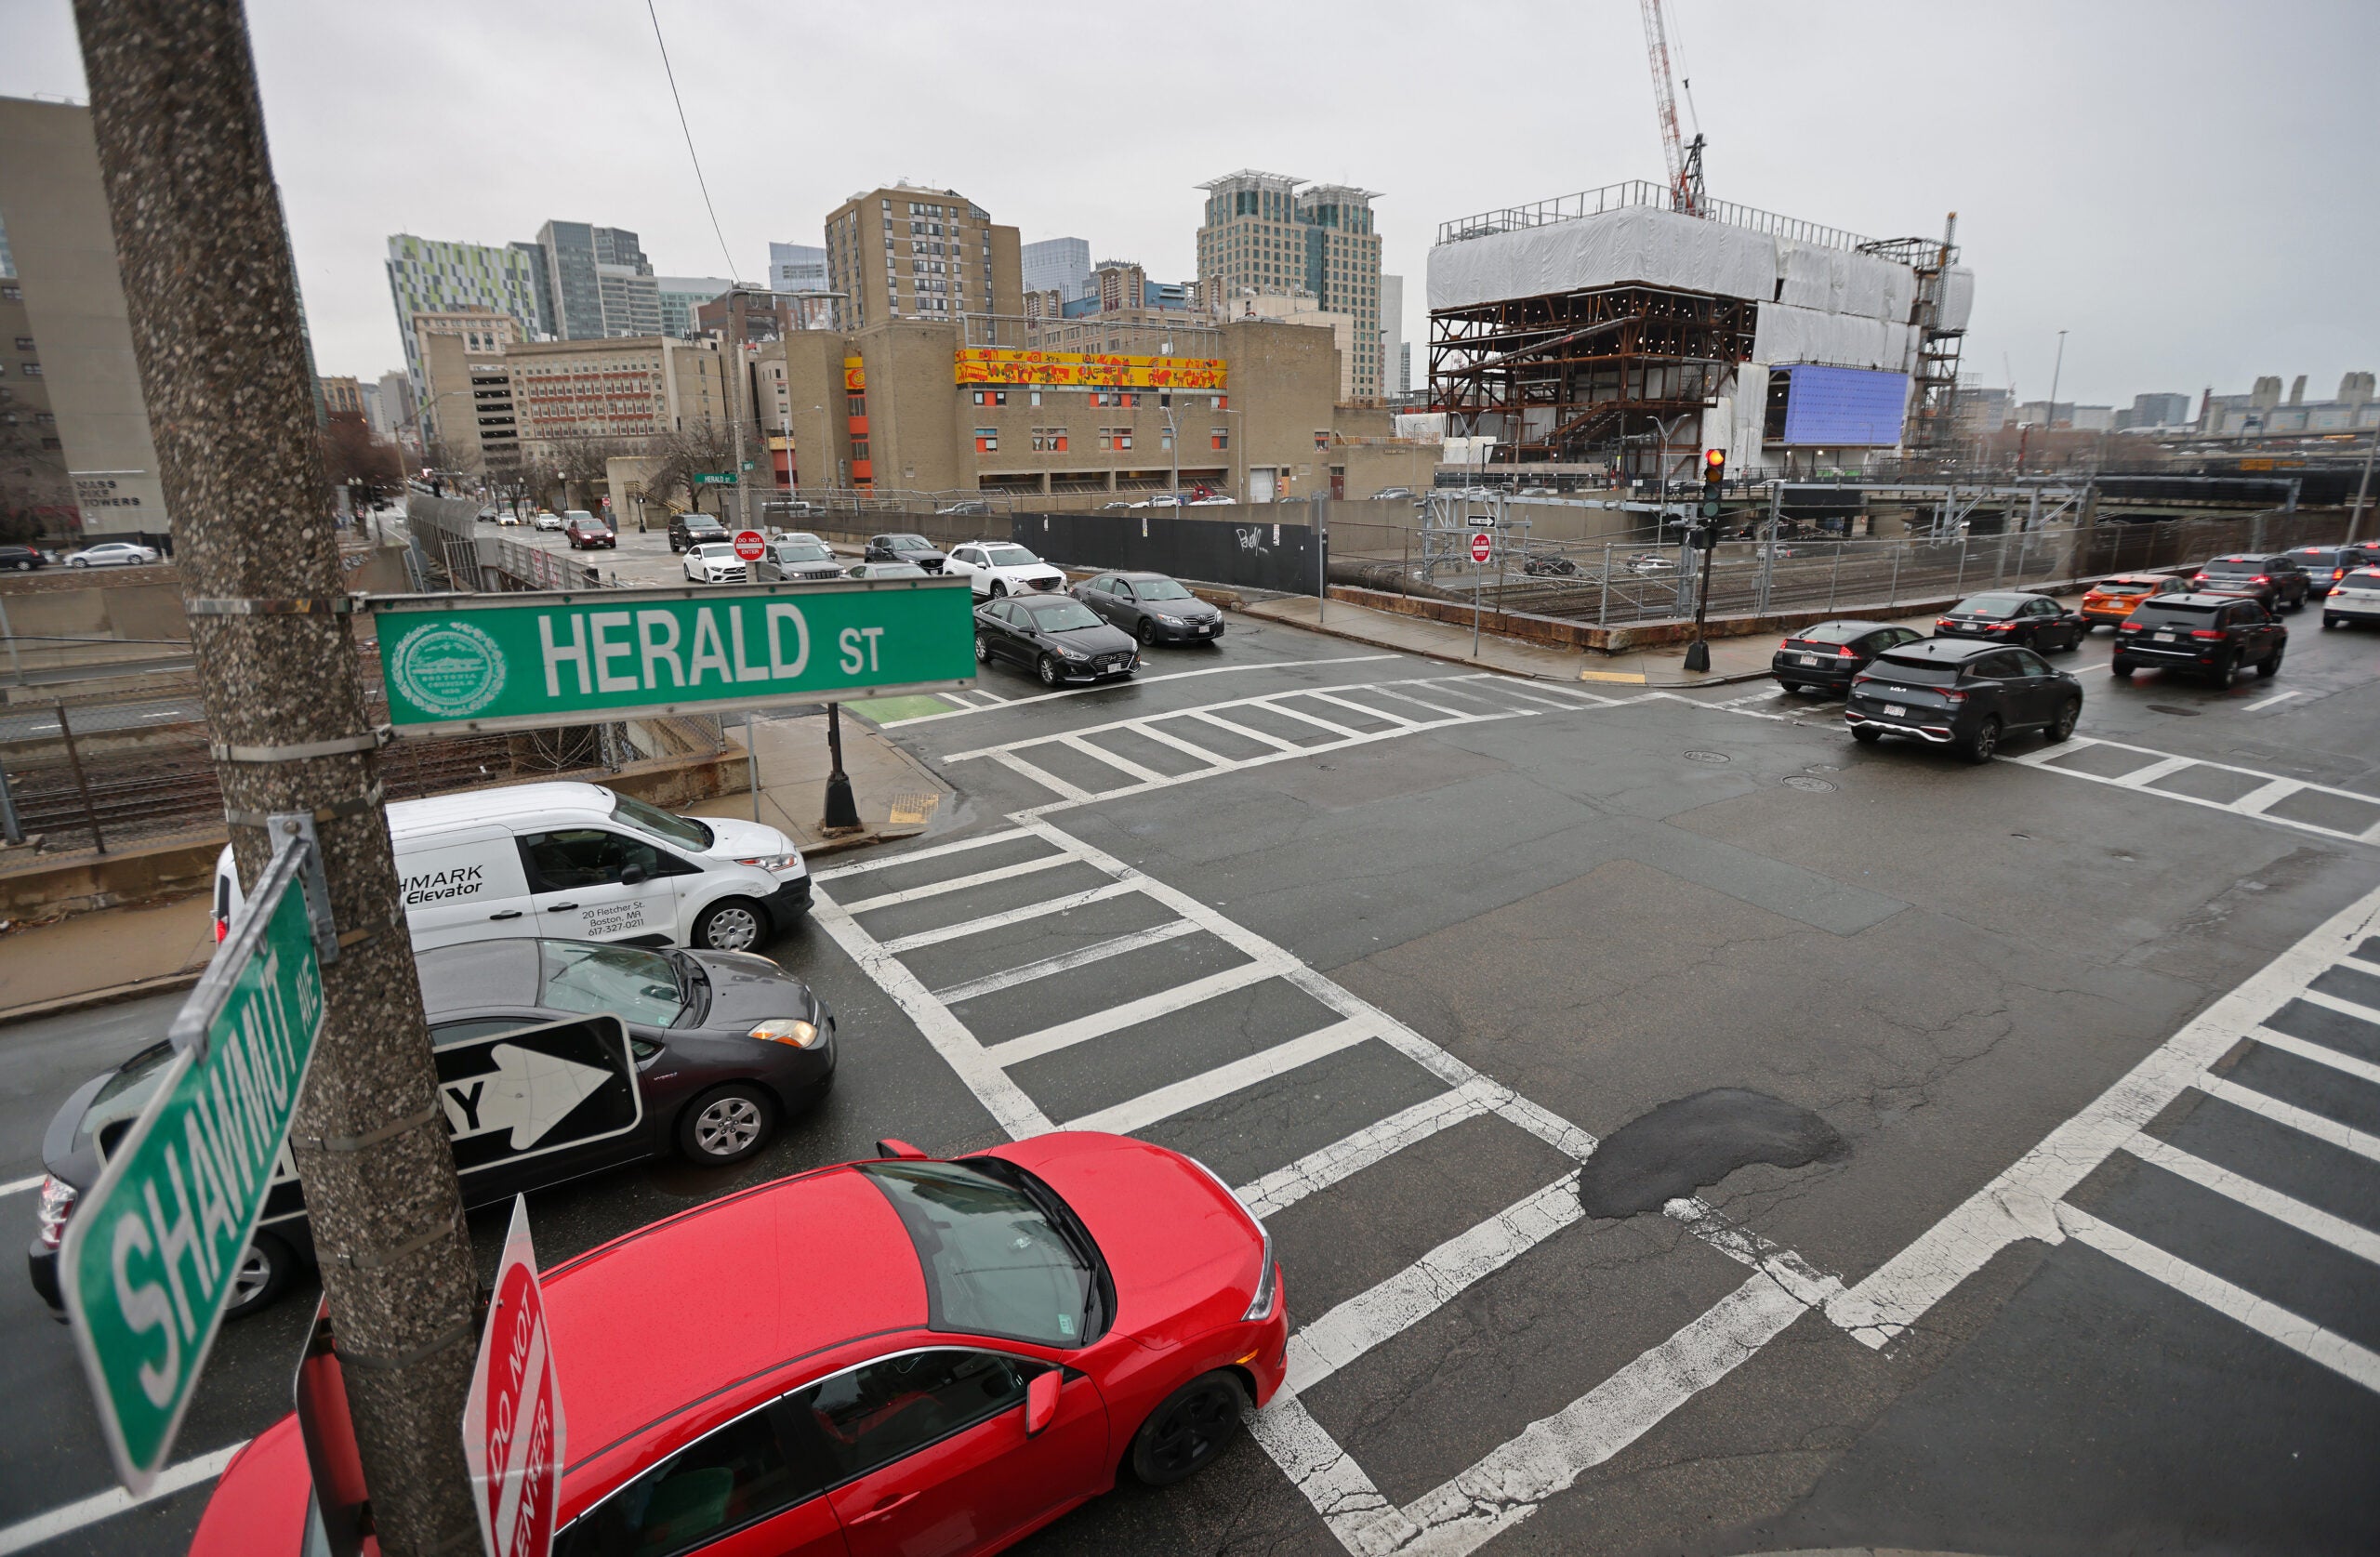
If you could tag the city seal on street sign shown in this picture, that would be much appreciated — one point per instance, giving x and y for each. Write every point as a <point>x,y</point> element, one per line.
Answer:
<point>515,1437</point>
<point>749,544</point>
<point>451,668</point>
<point>150,1259</point>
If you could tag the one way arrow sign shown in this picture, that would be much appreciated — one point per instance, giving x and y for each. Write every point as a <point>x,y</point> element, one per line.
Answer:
<point>529,1092</point>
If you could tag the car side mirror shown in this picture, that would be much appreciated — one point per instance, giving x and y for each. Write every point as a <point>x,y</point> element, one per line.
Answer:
<point>631,876</point>
<point>899,1150</point>
<point>1042,1400</point>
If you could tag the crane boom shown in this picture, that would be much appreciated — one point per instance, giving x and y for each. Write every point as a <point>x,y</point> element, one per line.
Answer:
<point>1684,162</point>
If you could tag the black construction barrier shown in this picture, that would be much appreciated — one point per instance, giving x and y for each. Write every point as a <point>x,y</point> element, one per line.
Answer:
<point>1255,554</point>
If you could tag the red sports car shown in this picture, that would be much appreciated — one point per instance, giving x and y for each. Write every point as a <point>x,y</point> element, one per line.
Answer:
<point>896,1356</point>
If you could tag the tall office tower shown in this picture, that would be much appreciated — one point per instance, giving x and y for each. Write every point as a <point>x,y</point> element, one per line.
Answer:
<point>1262,233</point>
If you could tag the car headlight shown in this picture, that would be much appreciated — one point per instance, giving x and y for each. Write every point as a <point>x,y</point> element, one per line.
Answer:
<point>792,1030</point>
<point>1168,621</point>
<point>1072,654</point>
<point>769,862</point>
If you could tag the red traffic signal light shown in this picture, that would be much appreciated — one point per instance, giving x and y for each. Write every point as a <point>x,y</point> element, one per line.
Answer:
<point>1714,463</point>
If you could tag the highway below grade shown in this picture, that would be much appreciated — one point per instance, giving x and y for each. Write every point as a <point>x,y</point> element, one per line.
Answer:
<point>1684,1129</point>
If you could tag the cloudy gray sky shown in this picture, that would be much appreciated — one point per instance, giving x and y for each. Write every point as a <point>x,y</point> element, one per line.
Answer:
<point>2186,187</point>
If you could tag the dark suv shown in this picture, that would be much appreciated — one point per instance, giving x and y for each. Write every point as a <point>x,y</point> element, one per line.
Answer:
<point>2215,634</point>
<point>1961,696</point>
<point>903,549</point>
<point>24,558</point>
<point>695,529</point>
<point>2272,579</point>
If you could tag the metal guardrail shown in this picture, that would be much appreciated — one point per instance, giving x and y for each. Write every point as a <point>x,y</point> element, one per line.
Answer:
<point>1641,192</point>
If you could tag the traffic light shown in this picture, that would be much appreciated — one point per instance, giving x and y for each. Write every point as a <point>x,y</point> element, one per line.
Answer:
<point>1714,475</point>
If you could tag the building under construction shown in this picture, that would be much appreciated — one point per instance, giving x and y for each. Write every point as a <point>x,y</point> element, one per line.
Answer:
<point>1630,327</point>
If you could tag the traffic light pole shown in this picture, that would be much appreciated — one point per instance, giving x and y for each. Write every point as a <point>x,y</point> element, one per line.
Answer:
<point>212,296</point>
<point>1706,536</point>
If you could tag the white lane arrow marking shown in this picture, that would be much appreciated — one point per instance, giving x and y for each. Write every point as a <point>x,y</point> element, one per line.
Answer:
<point>528,1094</point>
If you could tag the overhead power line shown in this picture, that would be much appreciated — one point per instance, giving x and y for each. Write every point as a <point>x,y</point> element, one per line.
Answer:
<point>700,182</point>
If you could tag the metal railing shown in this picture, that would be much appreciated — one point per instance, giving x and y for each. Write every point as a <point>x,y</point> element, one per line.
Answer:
<point>1641,192</point>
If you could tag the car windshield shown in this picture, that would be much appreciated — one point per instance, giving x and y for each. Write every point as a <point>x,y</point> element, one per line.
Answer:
<point>684,831</point>
<point>908,543</point>
<point>1994,605</point>
<point>1010,557</point>
<point>1062,617</point>
<point>717,551</point>
<point>803,552</point>
<point>1835,632</point>
<point>126,1094</point>
<point>627,981</point>
<point>1002,1254</point>
<point>1916,673</point>
<point>1159,589</point>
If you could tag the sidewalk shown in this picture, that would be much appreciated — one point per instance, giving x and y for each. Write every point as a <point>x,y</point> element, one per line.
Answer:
<point>116,954</point>
<point>897,797</point>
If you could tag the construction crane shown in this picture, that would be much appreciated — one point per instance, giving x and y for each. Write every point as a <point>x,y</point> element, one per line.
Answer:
<point>1685,157</point>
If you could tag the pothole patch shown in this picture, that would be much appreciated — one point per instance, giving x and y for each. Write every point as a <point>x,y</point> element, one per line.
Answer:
<point>1809,785</point>
<point>1693,1143</point>
<point>1708,756</point>
<point>2175,710</point>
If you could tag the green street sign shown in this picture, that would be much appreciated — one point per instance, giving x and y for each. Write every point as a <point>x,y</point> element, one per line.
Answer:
<point>455,665</point>
<point>747,465</point>
<point>148,1260</point>
<point>714,478</point>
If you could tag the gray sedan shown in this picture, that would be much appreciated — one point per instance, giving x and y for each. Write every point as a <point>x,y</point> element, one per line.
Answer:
<point>1151,607</point>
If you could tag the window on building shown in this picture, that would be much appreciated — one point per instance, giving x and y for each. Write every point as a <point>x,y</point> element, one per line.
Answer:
<point>988,439</point>
<point>1050,440</point>
<point>859,448</point>
<point>1036,396</point>
<point>32,370</point>
<point>25,343</point>
<point>992,397</point>
<point>1219,437</point>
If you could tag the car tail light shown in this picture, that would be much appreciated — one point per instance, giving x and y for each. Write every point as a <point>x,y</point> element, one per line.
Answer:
<point>1944,622</point>
<point>222,929</point>
<point>2206,632</point>
<point>1949,695</point>
<point>2122,627</point>
<point>1847,652</point>
<point>2199,577</point>
<point>2000,627</point>
<point>57,1205</point>
<point>2260,579</point>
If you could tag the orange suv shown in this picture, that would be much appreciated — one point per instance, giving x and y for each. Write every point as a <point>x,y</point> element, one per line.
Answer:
<point>2111,600</point>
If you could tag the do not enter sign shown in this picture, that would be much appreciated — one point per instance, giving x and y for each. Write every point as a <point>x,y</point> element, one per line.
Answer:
<point>514,1437</point>
<point>1480,542</point>
<point>749,544</point>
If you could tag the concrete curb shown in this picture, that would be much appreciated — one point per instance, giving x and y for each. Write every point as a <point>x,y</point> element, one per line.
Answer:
<point>1648,685</point>
<point>66,1005</point>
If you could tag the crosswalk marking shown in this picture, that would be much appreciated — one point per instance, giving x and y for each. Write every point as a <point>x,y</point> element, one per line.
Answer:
<point>2321,1126</point>
<point>2335,1230</point>
<point>1144,679</point>
<point>2154,764</point>
<point>1320,1169</point>
<point>1131,1013</point>
<point>957,883</point>
<point>2265,795</point>
<point>1009,978</point>
<point>1354,708</point>
<point>2140,778</point>
<point>1065,904</point>
<point>1042,776</point>
<point>918,856</point>
<point>1282,708</point>
<point>2321,1054</point>
<point>1223,1080</point>
<point>1122,764</point>
<point>1259,736</point>
<point>1209,761</point>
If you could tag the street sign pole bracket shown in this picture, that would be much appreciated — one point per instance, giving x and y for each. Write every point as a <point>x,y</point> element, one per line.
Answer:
<point>295,829</point>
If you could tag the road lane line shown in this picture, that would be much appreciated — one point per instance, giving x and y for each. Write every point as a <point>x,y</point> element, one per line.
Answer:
<point>2255,802</point>
<point>2335,1230</point>
<point>1065,905</point>
<point>115,1500</point>
<point>2302,1335</point>
<point>2268,702</point>
<point>1281,707</point>
<point>1046,779</point>
<point>1350,1154</point>
<point>957,883</point>
<point>1149,1108</point>
<point>1009,978</point>
<point>886,862</point>
<point>2321,1126</point>
<point>1131,1013</point>
<point>2321,1054</point>
<point>1259,736</point>
<point>20,1185</point>
<point>1153,681</point>
<point>1101,754</point>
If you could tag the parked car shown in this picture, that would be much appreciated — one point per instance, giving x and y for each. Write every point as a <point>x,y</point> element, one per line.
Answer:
<point>2320,564</point>
<point>577,859</point>
<point>694,529</point>
<point>903,549</point>
<point>1058,639</point>
<point>2211,634</point>
<point>982,1345</point>
<point>1647,564</point>
<point>996,568</point>
<point>1151,607</point>
<point>555,1059</point>
<point>21,559</point>
<point>785,561</point>
<point>548,520</point>
<point>1212,500</point>
<point>488,514</point>
<point>1964,695</point>
<point>886,570</point>
<point>2111,600</point>
<point>2273,579</point>
<point>1826,656</point>
<point>715,563</point>
<point>510,517</point>
<point>586,533</point>
<point>1398,493</point>
<point>2013,616</point>
<point>966,507</point>
<point>2353,599</point>
<point>113,554</point>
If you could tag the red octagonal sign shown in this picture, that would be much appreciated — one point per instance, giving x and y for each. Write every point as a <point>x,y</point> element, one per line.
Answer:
<point>514,1437</point>
<point>1479,545</point>
<point>749,544</point>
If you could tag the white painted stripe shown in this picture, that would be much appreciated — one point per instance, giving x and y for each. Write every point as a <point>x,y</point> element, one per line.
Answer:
<point>1350,1154</point>
<point>2335,1230</point>
<point>2321,1054</point>
<point>2268,702</point>
<point>1282,708</point>
<point>1009,978</point>
<point>1213,761</point>
<point>2321,1126</point>
<point>2040,756</point>
<point>1259,736</point>
<point>2362,964</point>
<point>1047,780</point>
<point>1583,699</point>
<point>107,1504</point>
<point>2255,802</point>
<point>2270,1319</point>
<point>2017,1202</point>
<point>1548,1127</point>
<point>1121,764</point>
<point>886,862</point>
<point>1065,904</point>
<point>1452,716</point>
<point>958,883</point>
<point>1182,1096</point>
<point>2138,777</point>
<point>2345,1007</point>
<point>1146,681</point>
<point>1809,1285</point>
<point>20,1185</point>
<point>1338,1338</point>
<point>1318,1467</point>
<point>1401,721</point>
<point>1131,1013</point>
<point>1512,1481</point>
<point>1505,689</point>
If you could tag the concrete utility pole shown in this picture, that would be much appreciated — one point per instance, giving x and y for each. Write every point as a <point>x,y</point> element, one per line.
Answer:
<point>2363,487</point>
<point>213,295</point>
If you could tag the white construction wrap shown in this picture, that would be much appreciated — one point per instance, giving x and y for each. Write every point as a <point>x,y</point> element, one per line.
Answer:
<point>1786,334</point>
<point>1958,297</point>
<point>1634,243</point>
<point>1838,281</point>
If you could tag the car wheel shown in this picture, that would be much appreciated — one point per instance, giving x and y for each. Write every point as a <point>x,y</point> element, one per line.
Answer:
<point>1047,668</point>
<point>2063,726</point>
<point>2269,666</point>
<point>732,924</point>
<point>2328,620</point>
<point>983,650</point>
<point>1146,633</point>
<point>2120,667</point>
<point>1185,1432</point>
<point>725,1126</point>
<point>999,587</point>
<point>2226,667</point>
<point>264,1268</point>
<point>1983,743</point>
<point>78,562</point>
<point>1866,734</point>
<point>28,567</point>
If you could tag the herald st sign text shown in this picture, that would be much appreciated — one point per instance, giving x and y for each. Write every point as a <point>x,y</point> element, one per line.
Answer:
<point>496,661</point>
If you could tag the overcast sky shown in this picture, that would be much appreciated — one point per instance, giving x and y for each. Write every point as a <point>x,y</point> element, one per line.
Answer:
<point>2186,187</point>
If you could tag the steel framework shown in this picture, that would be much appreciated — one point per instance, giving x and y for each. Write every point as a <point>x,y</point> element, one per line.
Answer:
<point>1933,377</point>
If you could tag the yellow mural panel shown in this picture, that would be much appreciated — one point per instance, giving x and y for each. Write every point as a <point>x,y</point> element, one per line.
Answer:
<point>983,364</point>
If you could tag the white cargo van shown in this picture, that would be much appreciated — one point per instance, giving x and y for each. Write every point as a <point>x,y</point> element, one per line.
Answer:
<point>576,861</point>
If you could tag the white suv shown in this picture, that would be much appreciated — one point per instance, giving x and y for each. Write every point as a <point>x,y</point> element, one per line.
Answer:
<point>714,563</point>
<point>993,568</point>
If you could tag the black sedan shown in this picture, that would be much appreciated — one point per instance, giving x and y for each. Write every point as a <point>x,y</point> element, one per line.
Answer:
<point>555,1059</point>
<point>2014,616</point>
<point>1059,638</point>
<point>903,549</point>
<point>1825,657</point>
<point>691,530</point>
<point>1151,607</point>
<point>1961,696</point>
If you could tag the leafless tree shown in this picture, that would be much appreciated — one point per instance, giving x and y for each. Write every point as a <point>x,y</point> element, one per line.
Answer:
<point>689,451</point>
<point>584,464</point>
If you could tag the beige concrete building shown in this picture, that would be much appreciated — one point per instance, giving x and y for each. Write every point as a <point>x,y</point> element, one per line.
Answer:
<point>1301,308</point>
<point>341,397</point>
<point>906,253</point>
<point>1264,234</point>
<point>33,485</point>
<point>55,214</point>
<point>523,398</point>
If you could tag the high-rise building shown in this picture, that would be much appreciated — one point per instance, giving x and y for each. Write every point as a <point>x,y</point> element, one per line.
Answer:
<point>1060,265</point>
<point>599,283</point>
<point>797,268</point>
<point>905,253</point>
<point>397,406</point>
<point>1264,234</point>
<point>435,276</point>
<point>2148,411</point>
<point>681,296</point>
<point>1392,334</point>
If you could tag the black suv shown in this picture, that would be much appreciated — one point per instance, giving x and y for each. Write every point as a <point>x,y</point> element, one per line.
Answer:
<point>2013,616</point>
<point>24,558</point>
<point>2216,634</point>
<point>1961,696</point>
<point>903,549</point>
<point>2272,579</point>
<point>695,529</point>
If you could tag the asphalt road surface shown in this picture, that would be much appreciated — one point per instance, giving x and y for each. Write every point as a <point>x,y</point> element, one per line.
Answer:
<point>1981,1159</point>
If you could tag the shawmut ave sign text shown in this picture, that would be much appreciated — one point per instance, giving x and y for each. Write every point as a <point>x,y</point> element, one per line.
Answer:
<point>455,664</point>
